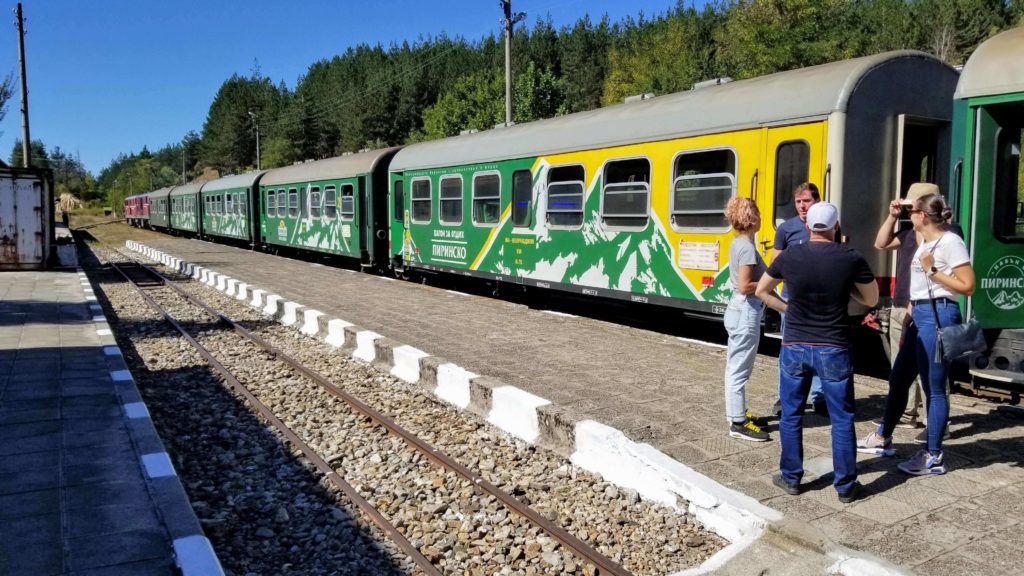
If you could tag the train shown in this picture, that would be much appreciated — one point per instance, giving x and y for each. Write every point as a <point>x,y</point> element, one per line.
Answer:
<point>627,202</point>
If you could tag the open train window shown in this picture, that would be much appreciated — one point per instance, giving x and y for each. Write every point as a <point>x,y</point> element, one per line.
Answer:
<point>450,200</point>
<point>314,201</point>
<point>271,204</point>
<point>792,167</point>
<point>348,202</point>
<point>565,196</point>
<point>486,199</point>
<point>293,202</point>
<point>703,182</point>
<point>522,195</point>
<point>220,204</point>
<point>626,195</point>
<point>330,202</point>
<point>229,200</point>
<point>282,203</point>
<point>1008,198</point>
<point>420,210</point>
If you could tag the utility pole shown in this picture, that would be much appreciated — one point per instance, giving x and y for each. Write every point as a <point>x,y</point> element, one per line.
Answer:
<point>509,21</point>
<point>26,143</point>
<point>256,123</point>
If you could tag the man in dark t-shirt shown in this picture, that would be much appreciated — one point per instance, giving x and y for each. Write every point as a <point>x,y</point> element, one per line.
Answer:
<point>822,276</point>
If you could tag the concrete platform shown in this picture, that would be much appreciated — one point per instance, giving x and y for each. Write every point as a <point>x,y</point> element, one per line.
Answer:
<point>647,410</point>
<point>85,484</point>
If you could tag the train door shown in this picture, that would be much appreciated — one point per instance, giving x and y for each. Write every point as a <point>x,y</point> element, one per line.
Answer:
<point>398,228</point>
<point>997,205</point>
<point>364,220</point>
<point>792,155</point>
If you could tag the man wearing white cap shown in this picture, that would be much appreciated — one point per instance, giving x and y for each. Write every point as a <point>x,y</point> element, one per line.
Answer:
<point>822,277</point>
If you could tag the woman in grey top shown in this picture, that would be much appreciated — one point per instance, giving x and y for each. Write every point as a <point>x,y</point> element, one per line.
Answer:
<point>743,317</point>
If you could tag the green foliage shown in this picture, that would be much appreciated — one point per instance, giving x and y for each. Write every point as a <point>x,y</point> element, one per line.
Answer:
<point>434,87</point>
<point>38,156</point>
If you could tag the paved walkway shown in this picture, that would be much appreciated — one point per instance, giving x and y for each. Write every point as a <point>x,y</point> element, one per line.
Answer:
<point>667,392</point>
<point>85,485</point>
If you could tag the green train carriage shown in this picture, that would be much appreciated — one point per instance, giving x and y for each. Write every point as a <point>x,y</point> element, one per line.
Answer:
<point>184,203</point>
<point>229,206</point>
<point>159,208</point>
<point>333,206</point>
<point>987,187</point>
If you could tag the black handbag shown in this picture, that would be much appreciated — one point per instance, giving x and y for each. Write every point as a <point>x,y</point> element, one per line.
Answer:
<point>958,340</point>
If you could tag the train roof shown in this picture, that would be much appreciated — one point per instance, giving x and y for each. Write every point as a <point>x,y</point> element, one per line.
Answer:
<point>161,192</point>
<point>995,67</point>
<point>186,189</point>
<point>234,181</point>
<point>337,167</point>
<point>805,93</point>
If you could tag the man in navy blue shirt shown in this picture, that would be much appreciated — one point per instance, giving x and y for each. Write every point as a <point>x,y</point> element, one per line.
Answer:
<point>822,276</point>
<point>793,232</point>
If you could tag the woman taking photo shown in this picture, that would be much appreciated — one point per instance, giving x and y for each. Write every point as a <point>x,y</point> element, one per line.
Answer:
<point>940,273</point>
<point>743,317</point>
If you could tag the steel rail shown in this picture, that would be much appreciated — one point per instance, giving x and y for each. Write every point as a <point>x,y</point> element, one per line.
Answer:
<point>322,465</point>
<point>581,549</point>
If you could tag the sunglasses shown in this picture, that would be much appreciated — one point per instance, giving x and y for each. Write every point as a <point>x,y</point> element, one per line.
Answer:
<point>915,211</point>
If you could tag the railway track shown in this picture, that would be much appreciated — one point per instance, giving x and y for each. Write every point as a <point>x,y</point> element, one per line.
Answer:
<point>155,288</point>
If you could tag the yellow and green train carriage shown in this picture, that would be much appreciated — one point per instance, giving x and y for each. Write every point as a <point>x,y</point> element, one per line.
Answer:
<point>628,201</point>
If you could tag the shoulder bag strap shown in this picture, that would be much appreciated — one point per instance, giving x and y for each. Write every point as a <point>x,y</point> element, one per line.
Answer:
<point>928,283</point>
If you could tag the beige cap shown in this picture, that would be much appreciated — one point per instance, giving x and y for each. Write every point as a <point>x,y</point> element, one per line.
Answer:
<point>919,190</point>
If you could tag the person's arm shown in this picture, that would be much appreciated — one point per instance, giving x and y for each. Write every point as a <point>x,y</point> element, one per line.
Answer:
<point>746,283</point>
<point>866,293</point>
<point>885,238</point>
<point>960,281</point>
<point>766,292</point>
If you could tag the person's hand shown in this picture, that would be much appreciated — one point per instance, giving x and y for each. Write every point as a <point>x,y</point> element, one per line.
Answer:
<point>927,260</point>
<point>895,208</point>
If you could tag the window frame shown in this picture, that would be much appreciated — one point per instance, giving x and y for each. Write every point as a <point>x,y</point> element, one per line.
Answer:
<point>294,207</point>
<point>314,191</point>
<point>461,199</point>
<point>330,192</point>
<point>673,178</point>
<point>473,199</point>
<point>583,200</point>
<point>341,196</point>
<point>282,207</point>
<point>775,179</point>
<point>270,194</point>
<point>413,200</point>
<point>604,188</point>
<point>529,204</point>
<point>1002,196</point>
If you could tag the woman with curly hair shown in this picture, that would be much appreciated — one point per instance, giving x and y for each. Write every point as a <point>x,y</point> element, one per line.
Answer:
<point>743,317</point>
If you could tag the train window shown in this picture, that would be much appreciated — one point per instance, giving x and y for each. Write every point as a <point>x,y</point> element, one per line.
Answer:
<point>330,202</point>
<point>293,202</point>
<point>240,200</point>
<point>565,196</point>
<point>399,201</point>
<point>1008,201</point>
<point>450,200</point>
<point>348,202</point>
<point>314,201</point>
<point>282,203</point>
<point>487,199</point>
<point>792,166</point>
<point>702,183</point>
<point>522,195</point>
<point>271,203</point>
<point>625,197</point>
<point>420,201</point>
<point>229,203</point>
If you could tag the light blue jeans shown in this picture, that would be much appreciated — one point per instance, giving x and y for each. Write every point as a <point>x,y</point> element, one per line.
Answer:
<point>743,323</point>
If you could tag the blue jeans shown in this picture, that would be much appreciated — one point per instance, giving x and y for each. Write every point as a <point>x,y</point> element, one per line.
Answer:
<point>743,323</point>
<point>817,396</point>
<point>798,364</point>
<point>917,355</point>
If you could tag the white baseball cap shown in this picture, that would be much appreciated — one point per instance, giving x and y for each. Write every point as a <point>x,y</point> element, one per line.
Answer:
<point>822,217</point>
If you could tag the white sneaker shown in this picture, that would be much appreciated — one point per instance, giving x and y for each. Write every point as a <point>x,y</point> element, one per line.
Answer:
<point>875,444</point>
<point>923,463</point>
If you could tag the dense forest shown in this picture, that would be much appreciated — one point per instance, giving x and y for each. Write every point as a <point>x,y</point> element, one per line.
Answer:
<point>372,96</point>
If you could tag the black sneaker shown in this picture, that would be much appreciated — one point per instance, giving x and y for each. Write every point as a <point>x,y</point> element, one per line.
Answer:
<point>853,494</point>
<point>748,431</point>
<point>792,490</point>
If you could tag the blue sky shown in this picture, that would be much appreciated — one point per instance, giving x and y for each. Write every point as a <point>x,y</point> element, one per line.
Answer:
<point>111,76</point>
